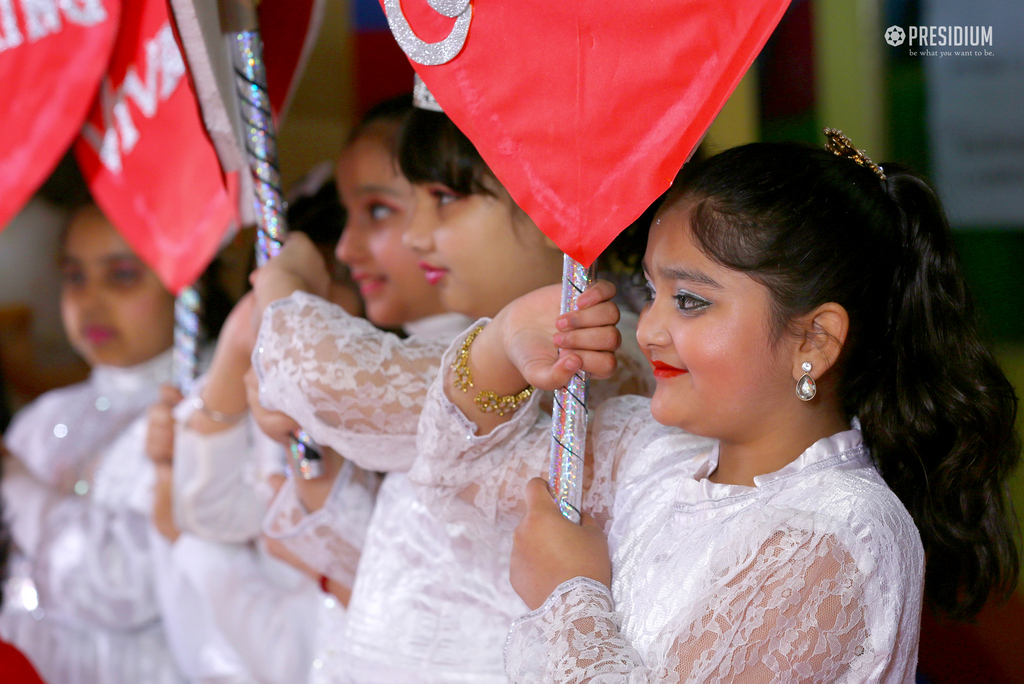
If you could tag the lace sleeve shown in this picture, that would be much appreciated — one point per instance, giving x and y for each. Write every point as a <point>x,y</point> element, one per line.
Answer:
<point>479,480</point>
<point>350,385</point>
<point>218,492</point>
<point>329,540</point>
<point>795,613</point>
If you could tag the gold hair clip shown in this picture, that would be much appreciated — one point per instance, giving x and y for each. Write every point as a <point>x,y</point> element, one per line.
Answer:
<point>839,145</point>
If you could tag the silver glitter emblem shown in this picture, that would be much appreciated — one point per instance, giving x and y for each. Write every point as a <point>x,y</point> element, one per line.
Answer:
<point>420,51</point>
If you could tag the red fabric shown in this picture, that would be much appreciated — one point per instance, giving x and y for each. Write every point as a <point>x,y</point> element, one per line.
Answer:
<point>586,110</point>
<point>49,72</point>
<point>15,667</point>
<point>146,156</point>
<point>285,27</point>
<point>381,69</point>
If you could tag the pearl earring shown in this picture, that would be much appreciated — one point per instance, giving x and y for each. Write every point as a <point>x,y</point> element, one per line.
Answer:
<point>805,387</point>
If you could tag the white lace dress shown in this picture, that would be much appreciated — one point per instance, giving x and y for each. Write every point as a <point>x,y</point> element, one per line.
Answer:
<point>81,601</point>
<point>815,574</point>
<point>431,601</point>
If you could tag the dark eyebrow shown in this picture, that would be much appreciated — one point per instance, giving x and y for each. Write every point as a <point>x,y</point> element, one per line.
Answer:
<point>675,273</point>
<point>120,256</point>
<point>678,273</point>
<point>378,190</point>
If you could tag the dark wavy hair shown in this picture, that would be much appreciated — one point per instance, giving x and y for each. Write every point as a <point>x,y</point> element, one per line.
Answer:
<point>935,408</point>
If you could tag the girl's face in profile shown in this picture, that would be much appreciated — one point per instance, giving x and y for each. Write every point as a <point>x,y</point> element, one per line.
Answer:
<point>114,309</point>
<point>707,331</point>
<point>480,251</point>
<point>379,202</point>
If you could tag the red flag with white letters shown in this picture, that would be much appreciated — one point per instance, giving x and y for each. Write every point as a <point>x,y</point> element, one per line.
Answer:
<point>52,56</point>
<point>146,156</point>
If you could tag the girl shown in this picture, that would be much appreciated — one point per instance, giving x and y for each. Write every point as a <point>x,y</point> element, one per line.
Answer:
<point>755,520</point>
<point>431,601</point>
<point>233,612</point>
<point>317,524</point>
<point>78,486</point>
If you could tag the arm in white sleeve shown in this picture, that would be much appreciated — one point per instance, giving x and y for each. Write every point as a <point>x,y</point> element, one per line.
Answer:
<point>330,539</point>
<point>219,493</point>
<point>351,386</point>
<point>795,612</point>
<point>479,480</point>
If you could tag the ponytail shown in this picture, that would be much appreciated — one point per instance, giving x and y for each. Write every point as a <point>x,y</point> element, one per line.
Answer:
<point>935,409</point>
<point>939,413</point>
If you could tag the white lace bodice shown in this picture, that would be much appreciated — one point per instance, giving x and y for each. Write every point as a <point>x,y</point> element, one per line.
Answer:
<point>83,605</point>
<point>814,574</point>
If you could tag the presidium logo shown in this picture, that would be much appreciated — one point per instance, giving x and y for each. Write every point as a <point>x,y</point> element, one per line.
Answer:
<point>894,35</point>
<point>957,40</point>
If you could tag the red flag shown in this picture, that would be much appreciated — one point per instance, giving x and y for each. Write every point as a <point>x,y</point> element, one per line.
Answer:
<point>52,56</point>
<point>146,155</point>
<point>586,110</point>
<point>289,29</point>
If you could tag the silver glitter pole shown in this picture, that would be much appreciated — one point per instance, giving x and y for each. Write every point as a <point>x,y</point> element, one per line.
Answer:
<point>260,143</point>
<point>569,414</point>
<point>268,200</point>
<point>187,308</point>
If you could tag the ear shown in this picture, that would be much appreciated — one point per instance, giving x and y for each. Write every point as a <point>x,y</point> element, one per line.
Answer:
<point>822,334</point>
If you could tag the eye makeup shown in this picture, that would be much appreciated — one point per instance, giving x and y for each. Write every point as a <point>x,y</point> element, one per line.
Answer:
<point>689,303</point>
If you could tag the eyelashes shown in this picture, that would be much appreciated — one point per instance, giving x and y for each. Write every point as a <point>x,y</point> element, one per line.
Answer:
<point>686,302</point>
<point>690,303</point>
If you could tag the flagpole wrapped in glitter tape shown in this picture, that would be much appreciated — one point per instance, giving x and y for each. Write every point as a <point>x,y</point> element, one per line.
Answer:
<point>260,143</point>
<point>187,310</point>
<point>569,414</point>
<point>268,199</point>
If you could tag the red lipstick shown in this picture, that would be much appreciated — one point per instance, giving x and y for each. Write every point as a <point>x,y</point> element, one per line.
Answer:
<point>663,370</point>
<point>98,334</point>
<point>433,273</point>
<point>368,284</point>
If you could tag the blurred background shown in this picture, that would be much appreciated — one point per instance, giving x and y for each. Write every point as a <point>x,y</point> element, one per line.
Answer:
<point>957,118</point>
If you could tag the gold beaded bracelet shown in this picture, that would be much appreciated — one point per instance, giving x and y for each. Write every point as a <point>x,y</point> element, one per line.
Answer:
<point>487,401</point>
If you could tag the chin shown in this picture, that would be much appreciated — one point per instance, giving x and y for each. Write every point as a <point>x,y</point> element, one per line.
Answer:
<point>663,411</point>
<point>381,315</point>
<point>107,359</point>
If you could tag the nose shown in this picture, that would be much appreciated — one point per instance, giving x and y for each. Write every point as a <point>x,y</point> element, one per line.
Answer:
<point>85,299</point>
<point>419,232</point>
<point>651,333</point>
<point>351,247</point>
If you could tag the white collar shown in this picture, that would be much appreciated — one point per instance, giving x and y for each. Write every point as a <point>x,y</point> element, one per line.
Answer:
<point>116,381</point>
<point>442,326</point>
